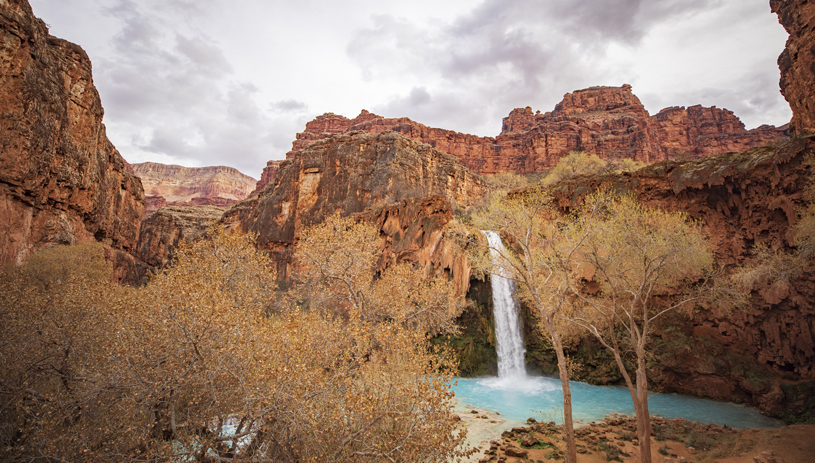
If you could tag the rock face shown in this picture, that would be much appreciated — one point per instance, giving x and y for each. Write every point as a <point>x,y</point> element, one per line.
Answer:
<point>697,131</point>
<point>348,174</point>
<point>268,175</point>
<point>162,230</point>
<point>192,186</point>
<point>61,179</point>
<point>797,61</point>
<point>742,199</point>
<point>607,121</point>
<point>413,230</point>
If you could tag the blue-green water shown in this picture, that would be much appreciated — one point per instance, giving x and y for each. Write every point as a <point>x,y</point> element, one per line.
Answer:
<point>542,398</point>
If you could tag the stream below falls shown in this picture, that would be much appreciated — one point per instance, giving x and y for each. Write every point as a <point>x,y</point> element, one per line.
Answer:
<point>541,398</point>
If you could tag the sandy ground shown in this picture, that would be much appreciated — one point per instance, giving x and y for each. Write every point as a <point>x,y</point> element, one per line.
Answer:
<point>614,439</point>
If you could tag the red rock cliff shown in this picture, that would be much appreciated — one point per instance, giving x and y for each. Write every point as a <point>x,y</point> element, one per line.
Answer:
<point>350,173</point>
<point>608,121</point>
<point>192,186</point>
<point>163,230</point>
<point>61,179</point>
<point>797,61</point>
<point>268,176</point>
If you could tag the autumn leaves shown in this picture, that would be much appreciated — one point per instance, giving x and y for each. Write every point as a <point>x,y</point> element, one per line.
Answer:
<point>212,361</point>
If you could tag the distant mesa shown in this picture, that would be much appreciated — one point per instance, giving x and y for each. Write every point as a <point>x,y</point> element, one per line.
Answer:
<point>608,121</point>
<point>171,185</point>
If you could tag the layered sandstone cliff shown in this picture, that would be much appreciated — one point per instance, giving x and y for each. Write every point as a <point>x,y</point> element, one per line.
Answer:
<point>797,61</point>
<point>61,179</point>
<point>192,186</point>
<point>608,121</point>
<point>350,173</point>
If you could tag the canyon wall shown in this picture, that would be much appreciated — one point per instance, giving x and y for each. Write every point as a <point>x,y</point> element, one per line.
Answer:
<point>352,173</point>
<point>192,186</point>
<point>741,200</point>
<point>267,176</point>
<point>797,61</point>
<point>608,121</point>
<point>61,179</point>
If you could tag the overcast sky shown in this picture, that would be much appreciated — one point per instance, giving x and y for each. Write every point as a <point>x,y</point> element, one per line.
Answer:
<point>216,82</point>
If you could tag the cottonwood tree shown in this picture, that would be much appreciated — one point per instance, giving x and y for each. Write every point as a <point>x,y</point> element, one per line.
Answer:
<point>387,367</point>
<point>58,311</point>
<point>581,163</point>
<point>203,364</point>
<point>573,164</point>
<point>537,259</point>
<point>200,359</point>
<point>635,265</point>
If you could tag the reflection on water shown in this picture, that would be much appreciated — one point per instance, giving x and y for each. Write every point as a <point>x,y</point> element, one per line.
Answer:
<point>541,398</point>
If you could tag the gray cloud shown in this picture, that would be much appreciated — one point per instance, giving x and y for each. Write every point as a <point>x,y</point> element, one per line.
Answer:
<point>202,82</point>
<point>172,88</point>
<point>445,109</point>
<point>290,105</point>
<point>529,52</point>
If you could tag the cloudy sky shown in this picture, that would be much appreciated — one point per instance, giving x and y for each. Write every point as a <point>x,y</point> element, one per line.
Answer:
<point>217,82</point>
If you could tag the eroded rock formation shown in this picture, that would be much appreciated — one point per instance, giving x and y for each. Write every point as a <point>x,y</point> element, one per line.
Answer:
<point>697,131</point>
<point>61,179</point>
<point>348,174</point>
<point>414,231</point>
<point>192,186</point>
<point>268,175</point>
<point>608,121</point>
<point>797,61</point>
<point>741,199</point>
<point>162,230</point>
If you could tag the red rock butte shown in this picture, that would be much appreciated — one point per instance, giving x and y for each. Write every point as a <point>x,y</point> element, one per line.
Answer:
<point>608,121</point>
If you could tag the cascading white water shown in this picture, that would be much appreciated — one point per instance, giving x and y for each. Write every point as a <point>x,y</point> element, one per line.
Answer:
<point>508,337</point>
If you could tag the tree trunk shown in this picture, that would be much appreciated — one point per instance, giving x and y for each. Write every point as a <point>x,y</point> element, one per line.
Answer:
<point>568,425</point>
<point>644,417</point>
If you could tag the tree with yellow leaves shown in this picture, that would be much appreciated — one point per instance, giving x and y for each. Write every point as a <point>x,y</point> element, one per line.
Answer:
<point>58,312</point>
<point>204,363</point>
<point>634,264</point>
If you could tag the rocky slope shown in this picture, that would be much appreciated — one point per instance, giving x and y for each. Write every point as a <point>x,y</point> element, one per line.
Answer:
<point>192,186</point>
<point>162,230</point>
<point>608,121</point>
<point>797,61</point>
<point>61,179</point>
<point>414,230</point>
<point>352,173</point>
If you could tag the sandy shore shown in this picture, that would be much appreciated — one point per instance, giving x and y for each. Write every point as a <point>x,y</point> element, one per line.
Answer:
<point>614,439</point>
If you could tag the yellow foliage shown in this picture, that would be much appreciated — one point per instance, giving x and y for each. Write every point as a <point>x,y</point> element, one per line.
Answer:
<point>506,181</point>
<point>573,164</point>
<point>196,365</point>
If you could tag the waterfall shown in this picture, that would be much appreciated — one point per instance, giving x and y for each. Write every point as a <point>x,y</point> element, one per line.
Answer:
<point>508,337</point>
